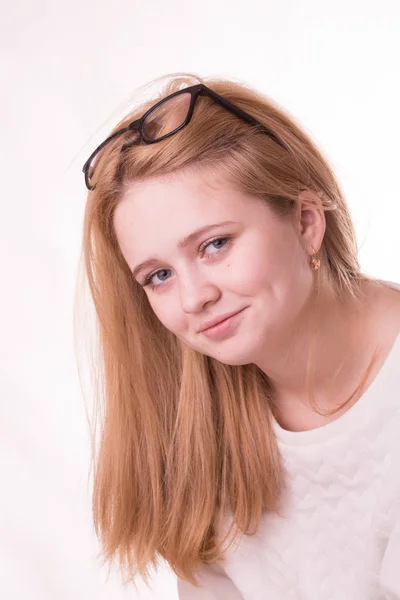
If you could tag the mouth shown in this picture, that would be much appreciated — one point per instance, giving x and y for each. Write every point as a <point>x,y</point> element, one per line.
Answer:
<point>220,325</point>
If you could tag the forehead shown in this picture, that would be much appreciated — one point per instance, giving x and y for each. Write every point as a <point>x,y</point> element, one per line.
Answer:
<point>187,192</point>
<point>180,202</point>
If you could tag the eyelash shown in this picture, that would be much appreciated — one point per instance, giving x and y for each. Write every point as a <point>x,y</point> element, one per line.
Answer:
<point>228,239</point>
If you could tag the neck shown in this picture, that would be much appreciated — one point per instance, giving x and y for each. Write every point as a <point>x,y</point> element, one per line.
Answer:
<point>330,342</point>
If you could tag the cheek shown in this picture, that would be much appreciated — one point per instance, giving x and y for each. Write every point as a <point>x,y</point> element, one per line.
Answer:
<point>270,269</point>
<point>250,270</point>
<point>169,314</point>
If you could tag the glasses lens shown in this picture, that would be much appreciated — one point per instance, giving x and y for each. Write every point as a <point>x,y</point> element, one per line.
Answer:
<point>167,117</point>
<point>95,167</point>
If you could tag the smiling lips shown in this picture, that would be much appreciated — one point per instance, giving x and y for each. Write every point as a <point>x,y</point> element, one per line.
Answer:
<point>219,325</point>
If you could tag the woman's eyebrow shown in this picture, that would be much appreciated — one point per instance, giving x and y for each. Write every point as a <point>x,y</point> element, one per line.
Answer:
<point>190,238</point>
<point>183,243</point>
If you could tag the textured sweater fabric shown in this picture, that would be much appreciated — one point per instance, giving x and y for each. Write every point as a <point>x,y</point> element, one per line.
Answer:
<point>339,534</point>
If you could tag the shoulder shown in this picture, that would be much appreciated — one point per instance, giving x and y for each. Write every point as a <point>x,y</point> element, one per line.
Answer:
<point>385,311</point>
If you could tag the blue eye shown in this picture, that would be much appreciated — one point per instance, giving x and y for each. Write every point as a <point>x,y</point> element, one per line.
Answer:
<point>216,241</point>
<point>222,242</point>
<point>148,280</point>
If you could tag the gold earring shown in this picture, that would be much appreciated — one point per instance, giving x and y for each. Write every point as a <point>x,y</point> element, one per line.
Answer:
<point>315,262</point>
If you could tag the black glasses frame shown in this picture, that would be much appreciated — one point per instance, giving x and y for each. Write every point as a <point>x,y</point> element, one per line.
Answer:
<point>195,91</point>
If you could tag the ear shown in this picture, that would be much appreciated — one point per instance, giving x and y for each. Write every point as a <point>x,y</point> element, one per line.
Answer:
<point>310,220</point>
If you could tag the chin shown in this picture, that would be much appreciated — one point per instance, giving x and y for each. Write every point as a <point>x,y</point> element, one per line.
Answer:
<point>234,362</point>
<point>233,359</point>
<point>232,352</point>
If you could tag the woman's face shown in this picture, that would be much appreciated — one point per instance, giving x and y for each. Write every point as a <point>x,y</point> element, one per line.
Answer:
<point>206,251</point>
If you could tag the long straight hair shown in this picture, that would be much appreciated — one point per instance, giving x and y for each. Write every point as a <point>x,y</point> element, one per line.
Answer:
<point>180,439</point>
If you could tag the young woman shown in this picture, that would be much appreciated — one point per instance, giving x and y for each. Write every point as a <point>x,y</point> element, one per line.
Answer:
<point>250,431</point>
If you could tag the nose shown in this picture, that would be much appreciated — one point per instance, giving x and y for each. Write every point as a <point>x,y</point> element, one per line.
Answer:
<point>196,291</point>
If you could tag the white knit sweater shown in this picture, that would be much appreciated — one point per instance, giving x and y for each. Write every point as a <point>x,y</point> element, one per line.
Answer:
<point>339,538</point>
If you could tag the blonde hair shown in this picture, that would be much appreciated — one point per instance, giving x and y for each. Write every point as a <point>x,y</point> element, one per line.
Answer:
<point>185,439</point>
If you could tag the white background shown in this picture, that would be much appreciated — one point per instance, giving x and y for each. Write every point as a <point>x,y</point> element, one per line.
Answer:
<point>68,71</point>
